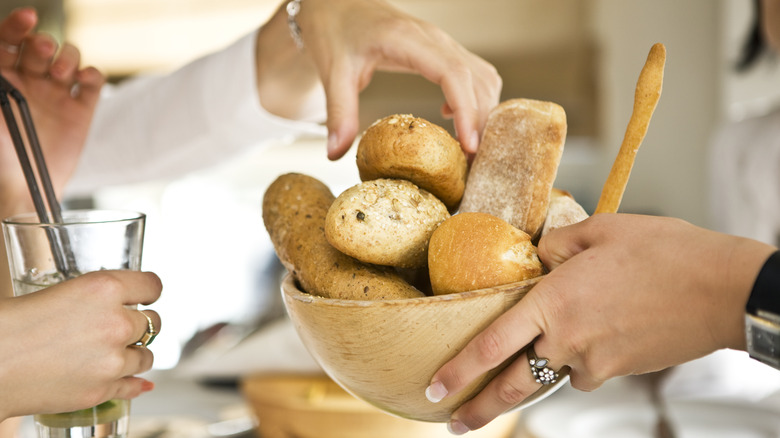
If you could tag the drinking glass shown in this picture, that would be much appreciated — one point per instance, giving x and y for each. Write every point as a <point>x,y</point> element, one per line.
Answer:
<point>41,255</point>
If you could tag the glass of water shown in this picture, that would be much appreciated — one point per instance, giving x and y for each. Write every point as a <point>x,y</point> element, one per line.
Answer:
<point>41,255</point>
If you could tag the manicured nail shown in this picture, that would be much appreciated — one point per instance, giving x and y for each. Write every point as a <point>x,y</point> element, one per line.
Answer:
<point>147,386</point>
<point>457,428</point>
<point>435,392</point>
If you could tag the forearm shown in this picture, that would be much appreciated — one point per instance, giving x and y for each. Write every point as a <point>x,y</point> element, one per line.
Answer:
<point>166,126</point>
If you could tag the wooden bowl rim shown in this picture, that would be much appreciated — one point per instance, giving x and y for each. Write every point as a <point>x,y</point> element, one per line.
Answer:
<point>291,289</point>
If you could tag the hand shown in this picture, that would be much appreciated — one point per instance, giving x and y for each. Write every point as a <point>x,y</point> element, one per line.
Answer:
<point>61,112</point>
<point>347,40</point>
<point>626,295</point>
<point>69,346</point>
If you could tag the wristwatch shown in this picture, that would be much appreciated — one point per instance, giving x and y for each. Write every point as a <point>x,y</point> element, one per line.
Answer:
<point>762,314</point>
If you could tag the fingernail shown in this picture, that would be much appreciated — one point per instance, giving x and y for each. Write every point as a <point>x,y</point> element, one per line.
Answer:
<point>333,143</point>
<point>147,386</point>
<point>457,428</point>
<point>435,392</point>
<point>474,141</point>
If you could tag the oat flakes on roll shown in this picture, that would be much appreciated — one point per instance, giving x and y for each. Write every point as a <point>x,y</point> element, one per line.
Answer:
<point>294,209</point>
<point>385,222</point>
<point>406,147</point>
<point>516,164</point>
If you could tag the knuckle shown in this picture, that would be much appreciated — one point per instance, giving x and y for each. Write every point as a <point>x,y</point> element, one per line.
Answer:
<point>473,419</point>
<point>105,283</point>
<point>122,328</point>
<point>113,366</point>
<point>509,394</point>
<point>488,347</point>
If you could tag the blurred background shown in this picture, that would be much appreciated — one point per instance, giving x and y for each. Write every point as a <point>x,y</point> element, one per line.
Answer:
<point>205,233</point>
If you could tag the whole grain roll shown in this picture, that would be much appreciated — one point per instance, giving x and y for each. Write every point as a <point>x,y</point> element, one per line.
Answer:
<point>471,251</point>
<point>385,222</point>
<point>294,209</point>
<point>517,162</point>
<point>406,147</point>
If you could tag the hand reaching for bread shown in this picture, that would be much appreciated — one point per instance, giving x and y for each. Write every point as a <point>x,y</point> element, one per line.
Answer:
<point>414,174</point>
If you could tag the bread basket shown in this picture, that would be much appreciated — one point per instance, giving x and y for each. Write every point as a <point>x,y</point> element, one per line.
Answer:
<point>385,352</point>
<point>313,406</point>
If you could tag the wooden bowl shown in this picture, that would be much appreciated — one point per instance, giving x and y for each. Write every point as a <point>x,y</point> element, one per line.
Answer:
<point>385,352</point>
<point>313,406</point>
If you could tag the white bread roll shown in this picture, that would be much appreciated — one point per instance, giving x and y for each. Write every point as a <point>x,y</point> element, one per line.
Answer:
<point>563,211</point>
<point>471,251</point>
<point>516,164</point>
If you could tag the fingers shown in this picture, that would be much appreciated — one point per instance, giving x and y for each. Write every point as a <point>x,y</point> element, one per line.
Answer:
<point>64,68</point>
<point>37,54</point>
<point>146,325</point>
<point>13,30</point>
<point>341,92</point>
<point>88,83</point>
<point>131,387</point>
<point>507,335</point>
<point>471,90</point>
<point>141,287</point>
<point>513,385</point>
<point>564,243</point>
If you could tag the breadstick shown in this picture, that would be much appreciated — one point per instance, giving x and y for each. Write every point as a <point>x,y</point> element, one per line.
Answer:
<point>648,91</point>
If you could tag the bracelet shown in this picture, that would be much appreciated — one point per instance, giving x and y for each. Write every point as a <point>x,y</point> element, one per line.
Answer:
<point>293,8</point>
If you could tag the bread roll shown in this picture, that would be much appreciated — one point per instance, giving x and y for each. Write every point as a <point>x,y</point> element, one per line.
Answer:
<point>385,222</point>
<point>472,251</point>
<point>294,209</point>
<point>516,164</point>
<point>563,211</point>
<point>407,147</point>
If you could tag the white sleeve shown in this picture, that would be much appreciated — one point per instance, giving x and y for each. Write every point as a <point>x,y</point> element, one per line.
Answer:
<point>161,127</point>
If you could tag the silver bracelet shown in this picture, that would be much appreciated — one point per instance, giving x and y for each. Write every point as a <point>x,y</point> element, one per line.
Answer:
<point>293,8</point>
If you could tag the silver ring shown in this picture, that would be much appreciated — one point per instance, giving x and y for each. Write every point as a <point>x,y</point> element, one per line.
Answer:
<point>10,48</point>
<point>150,333</point>
<point>542,373</point>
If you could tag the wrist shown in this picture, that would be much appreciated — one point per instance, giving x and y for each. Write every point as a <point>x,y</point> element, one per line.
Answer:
<point>745,263</point>
<point>285,75</point>
<point>762,314</point>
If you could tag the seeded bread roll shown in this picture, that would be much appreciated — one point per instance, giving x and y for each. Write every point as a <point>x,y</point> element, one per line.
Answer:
<point>563,211</point>
<point>411,148</point>
<point>385,222</point>
<point>294,209</point>
<point>516,164</point>
<point>471,251</point>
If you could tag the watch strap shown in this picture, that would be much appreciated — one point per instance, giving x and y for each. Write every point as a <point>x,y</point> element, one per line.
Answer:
<point>765,295</point>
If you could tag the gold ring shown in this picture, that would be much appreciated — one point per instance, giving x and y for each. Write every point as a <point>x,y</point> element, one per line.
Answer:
<point>150,333</point>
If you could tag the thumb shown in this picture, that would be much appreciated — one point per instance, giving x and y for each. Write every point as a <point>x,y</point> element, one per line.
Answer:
<point>561,244</point>
<point>341,94</point>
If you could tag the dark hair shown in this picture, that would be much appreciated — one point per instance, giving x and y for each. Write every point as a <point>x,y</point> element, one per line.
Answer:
<point>755,45</point>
